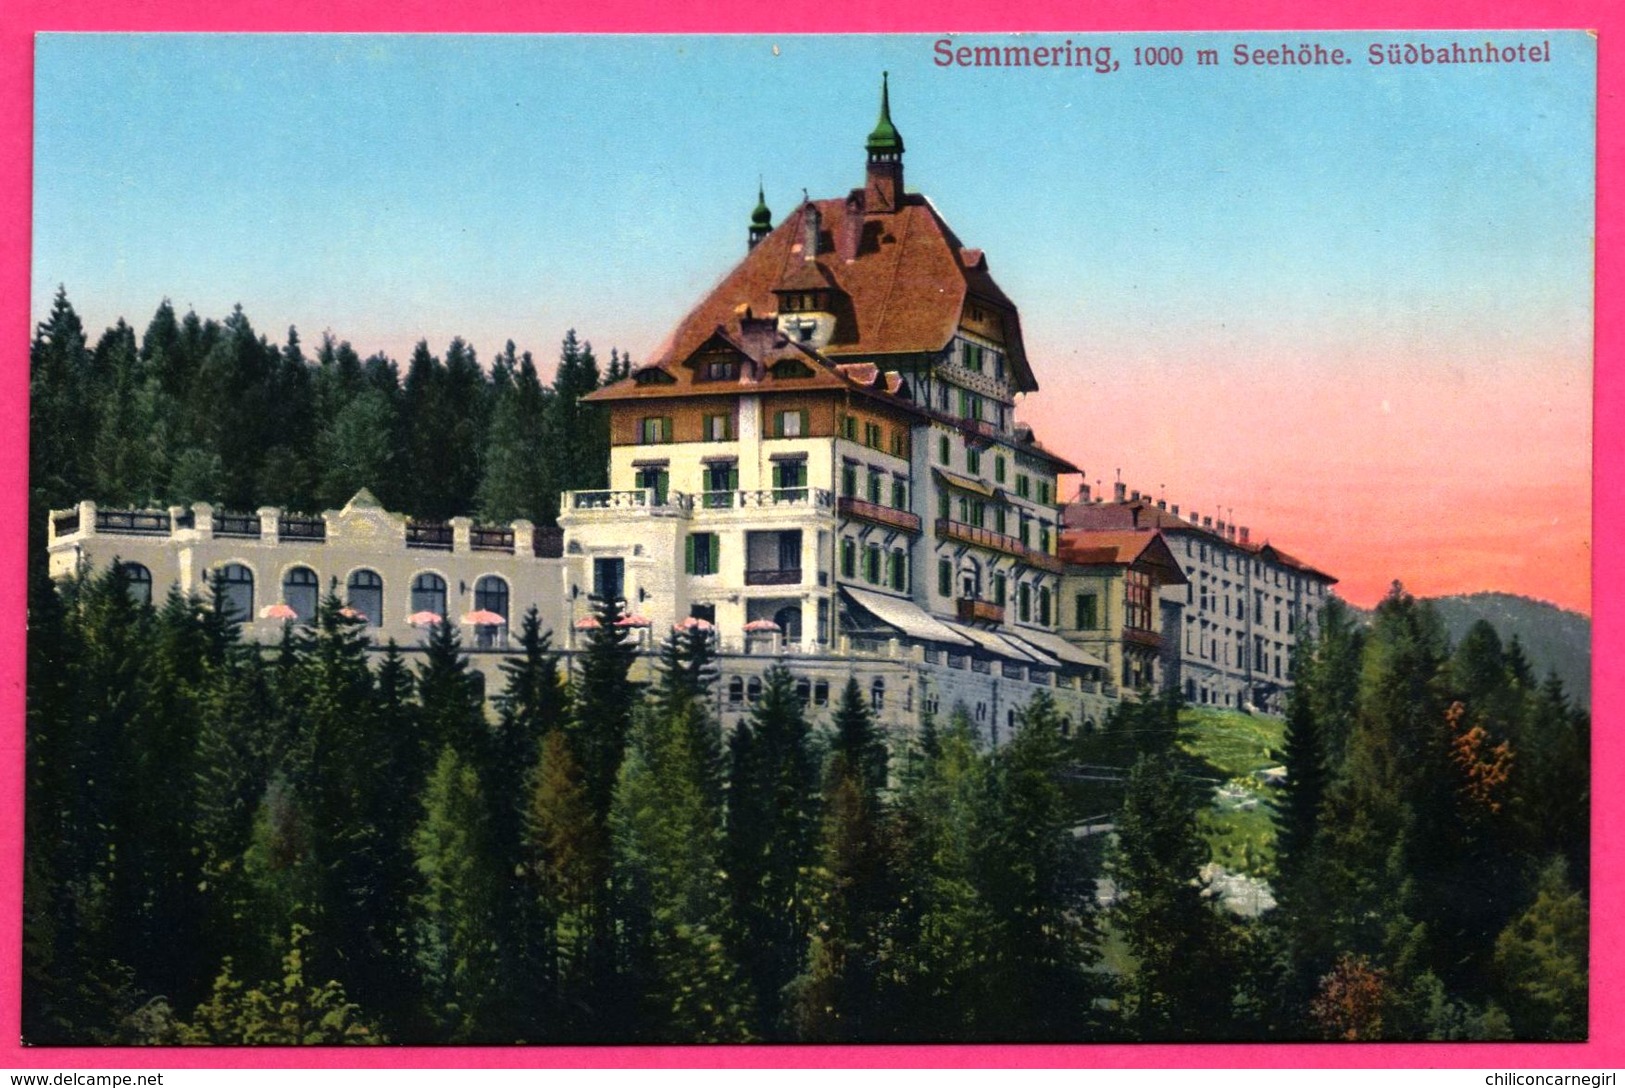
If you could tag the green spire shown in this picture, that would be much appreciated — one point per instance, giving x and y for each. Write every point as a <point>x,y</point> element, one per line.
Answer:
<point>761,217</point>
<point>885,138</point>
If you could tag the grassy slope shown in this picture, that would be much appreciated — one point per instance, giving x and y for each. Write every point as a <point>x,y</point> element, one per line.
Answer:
<point>1234,745</point>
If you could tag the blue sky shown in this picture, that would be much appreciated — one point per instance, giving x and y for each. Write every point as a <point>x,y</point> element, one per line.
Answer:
<point>1193,250</point>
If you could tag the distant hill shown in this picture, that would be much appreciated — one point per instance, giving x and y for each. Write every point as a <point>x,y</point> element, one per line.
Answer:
<point>1552,637</point>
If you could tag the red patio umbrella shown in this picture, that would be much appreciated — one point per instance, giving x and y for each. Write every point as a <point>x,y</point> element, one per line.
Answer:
<point>587,623</point>
<point>278,612</point>
<point>633,621</point>
<point>484,617</point>
<point>424,618</point>
<point>762,626</point>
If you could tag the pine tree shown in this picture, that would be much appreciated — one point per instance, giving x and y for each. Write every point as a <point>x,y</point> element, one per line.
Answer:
<point>567,864</point>
<point>772,829</point>
<point>456,909</point>
<point>1541,960</point>
<point>285,1010</point>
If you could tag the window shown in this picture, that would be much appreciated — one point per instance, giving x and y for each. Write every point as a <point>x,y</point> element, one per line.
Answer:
<point>657,478</point>
<point>364,593</point>
<point>899,494</point>
<point>899,570</point>
<point>820,692</point>
<point>999,525</point>
<point>789,480</point>
<point>998,469</point>
<point>1138,600</point>
<point>429,594</point>
<point>998,590</point>
<point>140,582</point>
<point>899,442</point>
<point>790,423</point>
<point>849,557</point>
<point>702,555</point>
<point>719,370</point>
<point>1043,606</point>
<point>236,587</point>
<point>1043,538</point>
<point>943,511</point>
<point>973,462</point>
<point>1088,611</point>
<point>1024,602</point>
<point>942,397</point>
<point>971,356</point>
<point>721,478</point>
<point>1044,492</point>
<point>803,691</point>
<point>300,588</point>
<point>943,450</point>
<point>736,689</point>
<point>877,694</point>
<point>490,595</point>
<point>849,428</point>
<point>872,436</point>
<point>1024,486</point>
<point>654,430</point>
<point>1026,533</point>
<point>849,479</point>
<point>719,427</point>
<point>877,482</point>
<point>871,564</point>
<point>753,689</point>
<point>608,578</point>
<point>945,578</point>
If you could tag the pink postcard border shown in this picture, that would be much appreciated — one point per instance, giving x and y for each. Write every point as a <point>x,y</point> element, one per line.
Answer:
<point>21,19</point>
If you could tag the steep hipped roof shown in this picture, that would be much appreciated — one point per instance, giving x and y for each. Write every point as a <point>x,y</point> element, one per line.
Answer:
<point>1138,549</point>
<point>905,276</point>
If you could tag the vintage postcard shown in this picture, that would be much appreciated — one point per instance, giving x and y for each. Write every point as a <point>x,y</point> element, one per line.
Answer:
<point>1072,538</point>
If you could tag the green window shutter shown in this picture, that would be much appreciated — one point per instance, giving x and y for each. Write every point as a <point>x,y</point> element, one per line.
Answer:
<point>733,478</point>
<point>805,422</point>
<point>688,559</point>
<point>945,578</point>
<point>778,475</point>
<point>716,552</point>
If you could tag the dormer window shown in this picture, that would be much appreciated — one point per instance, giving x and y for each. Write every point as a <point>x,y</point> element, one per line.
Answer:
<point>653,376</point>
<point>791,368</point>
<point>721,371</point>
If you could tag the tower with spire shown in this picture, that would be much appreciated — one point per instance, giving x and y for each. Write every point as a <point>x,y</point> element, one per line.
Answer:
<point>761,219</point>
<point>883,187</point>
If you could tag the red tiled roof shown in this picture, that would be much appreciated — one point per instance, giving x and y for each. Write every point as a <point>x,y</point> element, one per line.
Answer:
<point>1096,517</point>
<point>903,278</point>
<point>1120,548</point>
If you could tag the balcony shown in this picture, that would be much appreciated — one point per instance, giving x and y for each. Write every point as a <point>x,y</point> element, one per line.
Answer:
<point>1140,636</point>
<point>850,507</point>
<point>776,576</point>
<point>1009,545</point>
<point>133,522</point>
<point>640,499</point>
<point>973,611</point>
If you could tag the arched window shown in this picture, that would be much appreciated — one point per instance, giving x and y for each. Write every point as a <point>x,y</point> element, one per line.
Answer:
<point>140,579</point>
<point>299,592</point>
<point>736,690</point>
<point>789,621</point>
<point>877,694</point>
<point>804,691</point>
<point>237,591</point>
<point>753,690</point>
<point>490,595</point>
<point>365,594</point>
<point>429,594</point>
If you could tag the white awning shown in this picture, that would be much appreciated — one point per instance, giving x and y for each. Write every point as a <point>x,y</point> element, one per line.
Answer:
<point>1060,647</point>
<point>906,616</point>
<point>1029,649</point>
<point>993,644</point>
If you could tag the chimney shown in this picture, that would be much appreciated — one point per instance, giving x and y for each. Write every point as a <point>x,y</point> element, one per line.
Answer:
<point>1162,504</point>
<point>1220,527</point>
<point>1120,491</point>
<point>1134,496</point>
<point>1207,523</point>
<point>1135,510</point>
<point>811,223</point>
<point>1176,509</point>
<point>1244,534</point>
<point>1083,493</point>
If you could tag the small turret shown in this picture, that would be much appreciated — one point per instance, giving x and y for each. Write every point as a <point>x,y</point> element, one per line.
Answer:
<point>883,187</point>
<point>761,220</point>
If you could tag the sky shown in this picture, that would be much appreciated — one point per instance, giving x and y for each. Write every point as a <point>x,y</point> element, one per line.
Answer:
<point>1349,307</point>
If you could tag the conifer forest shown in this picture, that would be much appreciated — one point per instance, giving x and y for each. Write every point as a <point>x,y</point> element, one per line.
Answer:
<point>314,842</point>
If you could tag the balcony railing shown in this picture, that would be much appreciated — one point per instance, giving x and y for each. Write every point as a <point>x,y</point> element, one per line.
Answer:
<point>297,527</point>
<point>972,534</point>
<point>779,576</point>
<point>1012,672</point>
<point>137,522</point>
<point>974,611</point>
<point>428,535</point>
<point>850,507</point>
<point>236,525</point>
<point>66,524</point>
<point>490,539</point>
